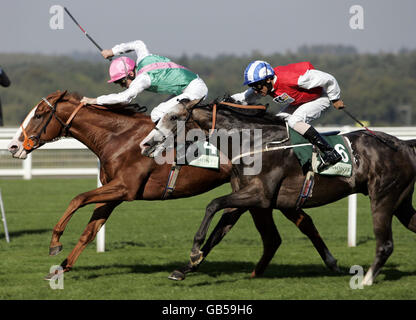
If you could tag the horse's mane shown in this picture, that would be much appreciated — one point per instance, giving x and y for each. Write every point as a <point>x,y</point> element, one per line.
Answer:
<point>259,117</point>
<point>73,96</point>
<point>129,110</point>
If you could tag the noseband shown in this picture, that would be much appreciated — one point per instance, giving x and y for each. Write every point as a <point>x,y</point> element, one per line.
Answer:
<point>33,142</point>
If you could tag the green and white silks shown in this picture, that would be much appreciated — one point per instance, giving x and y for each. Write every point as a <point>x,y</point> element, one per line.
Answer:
<point>165,75</point>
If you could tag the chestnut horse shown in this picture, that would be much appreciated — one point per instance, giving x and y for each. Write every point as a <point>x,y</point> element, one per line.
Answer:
<point>384,168</point>
<point>127,175</point>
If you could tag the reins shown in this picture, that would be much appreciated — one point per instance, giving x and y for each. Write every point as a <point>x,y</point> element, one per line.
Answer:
<point>234,105</point>
<point>71,117</point>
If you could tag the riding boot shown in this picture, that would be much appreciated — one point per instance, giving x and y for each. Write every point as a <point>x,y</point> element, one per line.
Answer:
<point>329,155</point>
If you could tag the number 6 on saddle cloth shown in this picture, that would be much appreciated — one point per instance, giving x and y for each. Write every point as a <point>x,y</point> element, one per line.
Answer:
<point>309,158</point>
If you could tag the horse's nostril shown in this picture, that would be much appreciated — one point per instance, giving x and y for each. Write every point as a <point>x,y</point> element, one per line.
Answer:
<point>149,143</point>
<point>13,148</point>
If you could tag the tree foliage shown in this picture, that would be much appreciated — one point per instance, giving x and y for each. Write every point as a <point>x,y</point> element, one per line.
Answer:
<point>379,88</point>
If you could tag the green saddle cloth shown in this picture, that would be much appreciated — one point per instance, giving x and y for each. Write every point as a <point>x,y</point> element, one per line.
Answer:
<point>307,157</point>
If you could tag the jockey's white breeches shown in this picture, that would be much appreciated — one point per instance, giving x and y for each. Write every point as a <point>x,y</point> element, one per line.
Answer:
<point>306,112</point>
<point>196,89</point>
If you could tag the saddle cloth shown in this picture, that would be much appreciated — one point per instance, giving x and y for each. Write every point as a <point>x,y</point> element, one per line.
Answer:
<point>309,157</point>
<point>200,154</point>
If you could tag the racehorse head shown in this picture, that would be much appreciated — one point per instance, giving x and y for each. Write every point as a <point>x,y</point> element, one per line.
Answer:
<point>41,125</point>
<point>163,135</point>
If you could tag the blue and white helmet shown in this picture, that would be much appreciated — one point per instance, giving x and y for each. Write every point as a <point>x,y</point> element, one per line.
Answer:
<point>256,71</point>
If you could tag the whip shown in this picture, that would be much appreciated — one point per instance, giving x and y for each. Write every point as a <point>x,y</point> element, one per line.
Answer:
<point>82,29</point>
<point>388,143</point>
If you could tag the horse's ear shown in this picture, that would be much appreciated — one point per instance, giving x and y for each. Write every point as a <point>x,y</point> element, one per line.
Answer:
<point>56,96</point>
<point>200,100</point>
<point>60,95</point>
<point>189,104</point>
<point>184,101</point>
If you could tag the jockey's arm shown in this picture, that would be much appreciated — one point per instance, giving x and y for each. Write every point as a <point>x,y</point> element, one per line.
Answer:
<point>139,84</point>
<point>138,46</point>
<point>315,78</point>
<point>247,97</point>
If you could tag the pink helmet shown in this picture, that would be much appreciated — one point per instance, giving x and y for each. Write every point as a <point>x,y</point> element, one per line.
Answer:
<point>120,67</point>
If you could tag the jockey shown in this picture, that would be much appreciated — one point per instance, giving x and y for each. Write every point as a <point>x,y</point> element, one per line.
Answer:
<point>149,72</point>
<point>302,92</point>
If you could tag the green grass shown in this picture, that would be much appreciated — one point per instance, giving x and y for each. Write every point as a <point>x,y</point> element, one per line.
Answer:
<point>146,240</point>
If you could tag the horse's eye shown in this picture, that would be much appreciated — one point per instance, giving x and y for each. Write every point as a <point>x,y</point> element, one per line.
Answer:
<point>173,118</point>
<point>38,116</point>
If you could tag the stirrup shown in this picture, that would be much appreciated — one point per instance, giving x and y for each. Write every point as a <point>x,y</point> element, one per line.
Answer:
<point>331,161</point>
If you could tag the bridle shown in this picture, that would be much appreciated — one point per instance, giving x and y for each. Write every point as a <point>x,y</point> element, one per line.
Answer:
<point>34,141</point>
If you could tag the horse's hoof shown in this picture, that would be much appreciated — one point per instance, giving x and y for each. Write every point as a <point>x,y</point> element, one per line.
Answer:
<point>196,258</point>
<point>49,276</point>
<point>55,250</point>
<point>333,266</point>
<point>256,274</point>
<point>53,275</point>
<point>177,275</point>
<point>335,269</point>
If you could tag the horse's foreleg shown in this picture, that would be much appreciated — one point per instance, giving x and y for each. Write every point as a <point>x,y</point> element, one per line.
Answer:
<point>263,219</point>
<point>113,191</point>
<point>99,217</point>
<point>384,244</point>
<point>224,225</point>
<point>305,224</point>
<point>247,197</point>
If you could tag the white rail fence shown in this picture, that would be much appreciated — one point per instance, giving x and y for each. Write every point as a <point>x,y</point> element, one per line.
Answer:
<point>28,170</point>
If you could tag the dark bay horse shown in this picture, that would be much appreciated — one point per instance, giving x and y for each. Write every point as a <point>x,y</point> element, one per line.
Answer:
<point>126,175</point>
<point>386,172</point>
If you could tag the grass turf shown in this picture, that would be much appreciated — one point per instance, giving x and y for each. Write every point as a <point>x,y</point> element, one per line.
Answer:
<point>146,240</point>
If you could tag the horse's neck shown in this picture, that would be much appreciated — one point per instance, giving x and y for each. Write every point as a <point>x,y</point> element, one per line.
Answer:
<point>97,128</point>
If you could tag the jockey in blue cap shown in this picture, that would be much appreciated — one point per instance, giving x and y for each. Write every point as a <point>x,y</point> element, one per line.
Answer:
<point>302,92</point>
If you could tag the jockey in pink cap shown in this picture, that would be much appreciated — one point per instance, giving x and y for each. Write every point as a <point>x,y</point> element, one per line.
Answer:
<point>120,69</point>
<point>152,73</point>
